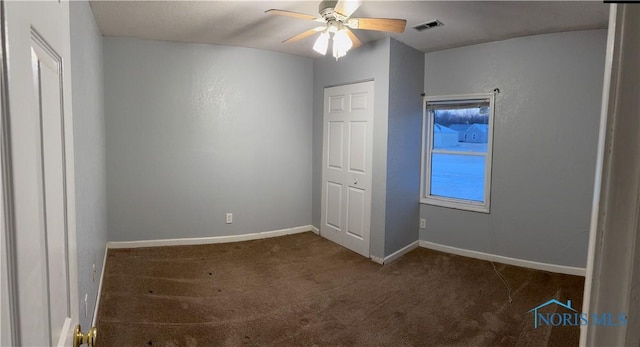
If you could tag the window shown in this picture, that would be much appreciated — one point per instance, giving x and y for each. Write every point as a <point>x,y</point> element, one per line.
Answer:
<point>456,151</point>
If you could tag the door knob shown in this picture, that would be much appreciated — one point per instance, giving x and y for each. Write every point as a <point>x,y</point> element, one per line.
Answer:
<point>355,181</point>
<point>89,338</point>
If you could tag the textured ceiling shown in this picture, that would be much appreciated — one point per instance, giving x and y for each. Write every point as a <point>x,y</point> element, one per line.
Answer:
<point>244,23</point>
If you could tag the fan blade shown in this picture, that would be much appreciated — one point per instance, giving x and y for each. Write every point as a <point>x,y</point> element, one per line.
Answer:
<point>294,14</point>
<point>354,39</point>
<point>303,35</point>
<point>347,7</point>
<point>380,24</point>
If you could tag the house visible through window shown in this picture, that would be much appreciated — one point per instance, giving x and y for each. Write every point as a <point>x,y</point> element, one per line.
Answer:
<point>456,159</point>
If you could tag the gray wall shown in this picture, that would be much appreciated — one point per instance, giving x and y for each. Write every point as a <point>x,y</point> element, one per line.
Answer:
<point>195,131</point>
<point>368,62</point>
<point>545,138</point>
<point>89,138</point>
<point>404,145</point>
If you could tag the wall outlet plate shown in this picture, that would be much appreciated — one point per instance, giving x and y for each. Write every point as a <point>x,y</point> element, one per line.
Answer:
<point>423,223</point>
<point>229,218</point>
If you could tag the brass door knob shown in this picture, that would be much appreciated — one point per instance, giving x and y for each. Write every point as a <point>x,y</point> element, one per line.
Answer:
<point>89,338</point>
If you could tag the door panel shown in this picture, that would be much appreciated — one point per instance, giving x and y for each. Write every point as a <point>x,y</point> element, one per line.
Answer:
<point>355,212</point>
<point>40,152</point>
<point>346,197</point>
<point>334,206</point>
<point>336,103</point>
<point>336,150</point>
<point>48,93</point>
<point>359,101</point>
<point>357,146</point>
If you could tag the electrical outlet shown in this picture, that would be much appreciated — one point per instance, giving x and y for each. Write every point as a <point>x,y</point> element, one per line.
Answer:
<point>423,223</point>
<point>229,218</point>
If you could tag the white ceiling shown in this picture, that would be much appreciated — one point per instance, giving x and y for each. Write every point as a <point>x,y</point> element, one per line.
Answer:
<point>244,23</point>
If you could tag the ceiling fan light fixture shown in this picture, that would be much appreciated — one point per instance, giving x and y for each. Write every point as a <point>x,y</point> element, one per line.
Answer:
<point>341,43</point>
<point>322,43</point>
<point>336,14</point>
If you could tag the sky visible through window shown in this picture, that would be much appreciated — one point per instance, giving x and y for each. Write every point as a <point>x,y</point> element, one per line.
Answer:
<point>459,175</point>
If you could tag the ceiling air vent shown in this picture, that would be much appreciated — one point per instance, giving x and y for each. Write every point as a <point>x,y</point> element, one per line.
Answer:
<point>428,25</point>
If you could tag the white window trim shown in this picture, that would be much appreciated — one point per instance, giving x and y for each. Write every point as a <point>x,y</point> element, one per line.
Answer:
<point>427,147</point>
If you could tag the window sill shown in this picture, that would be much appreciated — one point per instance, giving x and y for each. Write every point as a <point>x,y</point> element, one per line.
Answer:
<point>456,204</point>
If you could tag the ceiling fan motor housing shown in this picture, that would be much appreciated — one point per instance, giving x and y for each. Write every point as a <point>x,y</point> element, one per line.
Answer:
<point>326,10</point>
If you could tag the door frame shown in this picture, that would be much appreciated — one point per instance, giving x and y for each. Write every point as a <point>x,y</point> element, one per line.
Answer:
<point>9,309</point>
<point>613,258</point>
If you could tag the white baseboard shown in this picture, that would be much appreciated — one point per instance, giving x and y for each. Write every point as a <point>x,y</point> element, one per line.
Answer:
<point>377,259</point>
<point>569,270</point>
<point>402,251</point>
<point>95,309</point>
<point>315,230</point>
<point>395,255</point>
<point>208,240</point>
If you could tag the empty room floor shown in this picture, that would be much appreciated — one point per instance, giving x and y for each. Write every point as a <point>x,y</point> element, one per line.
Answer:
<point>303,290</point>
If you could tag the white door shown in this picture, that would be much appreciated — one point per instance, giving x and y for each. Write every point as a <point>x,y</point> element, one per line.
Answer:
<point>346,166</point>
<point>37,153</point>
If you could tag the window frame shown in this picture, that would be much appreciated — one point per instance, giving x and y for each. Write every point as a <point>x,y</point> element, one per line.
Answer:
<point>427,151</point>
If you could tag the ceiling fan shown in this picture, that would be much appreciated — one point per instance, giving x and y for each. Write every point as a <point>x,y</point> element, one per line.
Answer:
<point>337,25</point>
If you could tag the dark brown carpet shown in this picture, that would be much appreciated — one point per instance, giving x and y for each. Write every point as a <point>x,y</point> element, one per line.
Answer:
<point>302,290</point>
